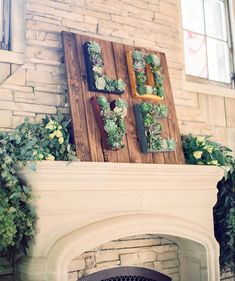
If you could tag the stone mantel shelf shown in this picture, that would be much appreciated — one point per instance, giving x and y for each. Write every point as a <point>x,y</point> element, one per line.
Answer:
<point>81,205</point>
<point>92,175</point>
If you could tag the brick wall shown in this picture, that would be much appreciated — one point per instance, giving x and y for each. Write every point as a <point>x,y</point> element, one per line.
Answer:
<point>39,86</point>
<point>147,251</point>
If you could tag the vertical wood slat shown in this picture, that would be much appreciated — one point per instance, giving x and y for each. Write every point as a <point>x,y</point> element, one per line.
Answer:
<point>169,157</point>
<point>109,68</point>
<point>75,97</point>
<point>85,126</point>
<point>172,119</point>
<point>146,157</point>
<point>94,141</point>
<point>131,141</point>
<point>159,157</point>
<point>119,63</point>
<point>133,144</point>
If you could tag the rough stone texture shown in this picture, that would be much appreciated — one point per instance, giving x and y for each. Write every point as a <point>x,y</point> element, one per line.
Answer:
<point>148,251</point>
<point>227,276</point>
<point>152,24</point>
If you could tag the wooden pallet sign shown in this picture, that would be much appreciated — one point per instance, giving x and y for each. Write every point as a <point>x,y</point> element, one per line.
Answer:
<point>121,102</point>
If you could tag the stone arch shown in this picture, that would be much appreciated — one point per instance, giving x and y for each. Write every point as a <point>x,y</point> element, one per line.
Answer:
<point>75,243</point>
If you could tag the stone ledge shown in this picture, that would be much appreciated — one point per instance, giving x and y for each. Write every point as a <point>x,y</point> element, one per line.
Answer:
<point>92,175</point>
<point>11,57</point>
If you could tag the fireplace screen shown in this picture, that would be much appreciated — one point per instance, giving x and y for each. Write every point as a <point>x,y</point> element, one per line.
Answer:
<point>126,273</point>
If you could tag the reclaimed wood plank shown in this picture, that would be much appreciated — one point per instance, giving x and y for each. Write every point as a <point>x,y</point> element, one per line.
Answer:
<point>169,157</point>
<point>146,157</point>
<point>94,137</point>
<point>173,125</point>
<point>131,152</point>
<point>109,68</point>
<point>75,97</point>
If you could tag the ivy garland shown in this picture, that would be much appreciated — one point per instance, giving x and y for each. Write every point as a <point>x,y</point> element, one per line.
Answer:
<point>153,128</point>
<point>140,59</point>
<point>201,151</point>
<point>102,82</point>
<point>48,140</point>
<point>113,119</point>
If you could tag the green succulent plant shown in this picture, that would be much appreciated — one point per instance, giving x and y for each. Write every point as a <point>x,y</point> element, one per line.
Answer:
<point>139,61</point>
<point>110,126</point>
<point>102,82</point>
<point>141,90</point>
<point>94,47</point>
<point>114,124</point>
<point>102,101</point>
<point>148,120</point>
<point>145,107</point>
<point>151,114</point>
<point>121,85</point>
<point>148,90</point>
<point>121,103</point>
<point>162,110</point>
<point>137,55</point>
<point>161,92</point>
<point>153,60</point>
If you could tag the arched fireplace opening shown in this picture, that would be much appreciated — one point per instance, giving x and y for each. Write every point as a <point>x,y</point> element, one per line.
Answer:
<point>174,258</point>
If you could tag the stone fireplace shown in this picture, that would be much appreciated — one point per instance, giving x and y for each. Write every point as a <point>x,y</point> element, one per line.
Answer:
<point>166,254</point>
<point>100,215</point>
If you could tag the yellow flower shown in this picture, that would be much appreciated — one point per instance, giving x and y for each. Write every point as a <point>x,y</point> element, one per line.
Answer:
<point>61,140</point>
<point>210,149</point>
<point>214,162</point>
<point>58,134</point>
<point>200,140</point>
<point>34,152</point>
<point>50,157</point>
<point>51,136</point>
<point>50,125</point>
<point>197,154</point>
<point>60,127</point>
<point>40,156</point>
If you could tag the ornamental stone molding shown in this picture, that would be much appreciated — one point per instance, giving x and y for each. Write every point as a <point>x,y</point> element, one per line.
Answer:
<point>82,205</point>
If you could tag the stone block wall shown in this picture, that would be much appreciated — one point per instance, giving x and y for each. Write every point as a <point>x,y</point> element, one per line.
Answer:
<point>148,251</point>
<point>39,87</point>
<point>227,276</point>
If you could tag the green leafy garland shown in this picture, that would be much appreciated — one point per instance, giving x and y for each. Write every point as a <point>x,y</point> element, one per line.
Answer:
<point>139,61</point>
<point>202,151</point>
<point>113,119</point>
<point>224,216</point>
<point>151,113</point>
<point>102,82</point>
<point>48,140</point>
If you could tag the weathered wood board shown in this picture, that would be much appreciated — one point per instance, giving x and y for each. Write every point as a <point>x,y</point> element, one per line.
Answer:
<point>86,134</point>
